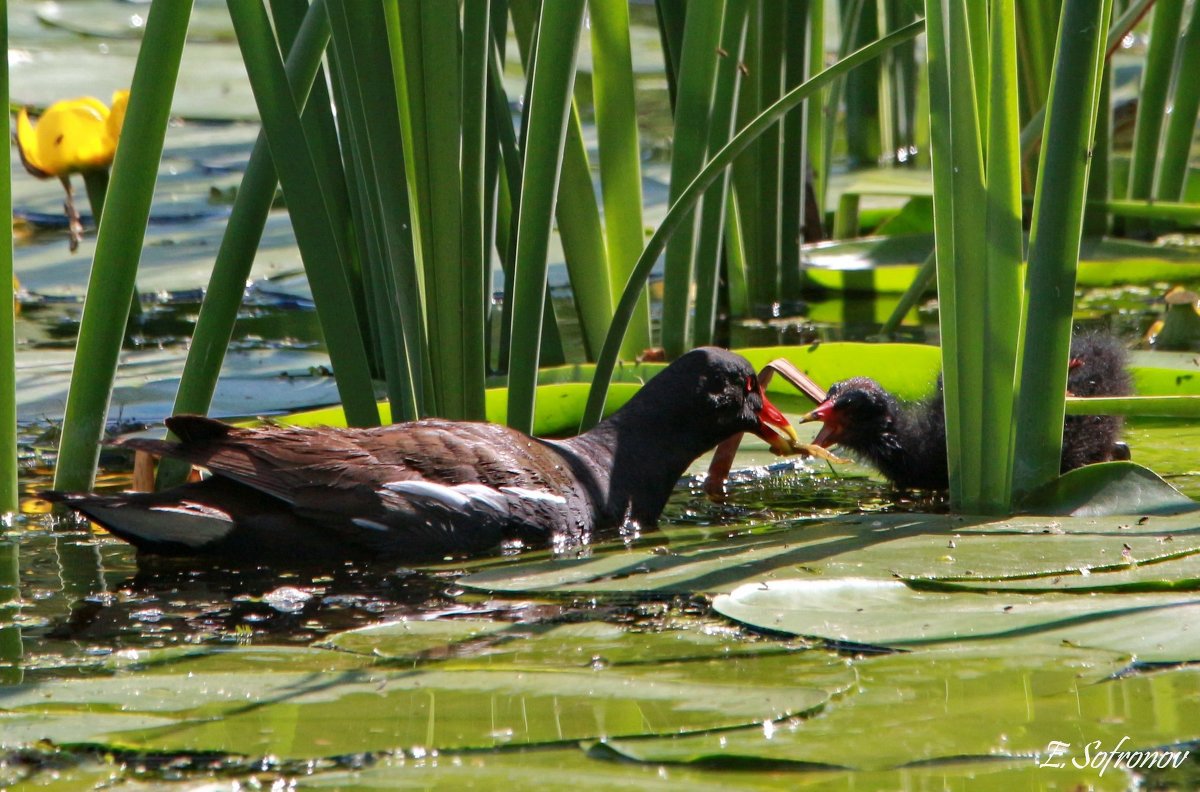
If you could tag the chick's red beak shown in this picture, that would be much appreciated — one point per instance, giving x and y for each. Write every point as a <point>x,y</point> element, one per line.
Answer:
<point>774,428</point>
<point>831,426</point>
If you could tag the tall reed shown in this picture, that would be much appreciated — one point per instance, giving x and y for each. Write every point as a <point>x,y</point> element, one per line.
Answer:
<point>10,575</point>
<point>119,240</point>
<point>1054,240</point>
<point>8,333</point>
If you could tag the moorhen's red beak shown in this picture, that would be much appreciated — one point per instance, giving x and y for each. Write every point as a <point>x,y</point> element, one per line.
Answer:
<point>831,427</point>
<point>774,428</point>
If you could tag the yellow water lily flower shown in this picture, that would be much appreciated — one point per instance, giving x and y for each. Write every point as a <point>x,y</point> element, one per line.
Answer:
<point>116,116</point>
<point>72,135</point>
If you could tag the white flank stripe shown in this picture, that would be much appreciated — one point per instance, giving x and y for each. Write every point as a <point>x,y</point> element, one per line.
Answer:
<point>459,497</point>
<point>532,494</point>
<point>427,489</point>
<point>193,510</point>
<point>485,496</point>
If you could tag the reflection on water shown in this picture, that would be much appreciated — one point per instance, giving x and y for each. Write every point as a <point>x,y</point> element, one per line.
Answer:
<point>86,596</point>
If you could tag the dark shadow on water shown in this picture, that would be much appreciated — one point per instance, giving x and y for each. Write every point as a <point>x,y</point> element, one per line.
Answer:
<point>172,602</point>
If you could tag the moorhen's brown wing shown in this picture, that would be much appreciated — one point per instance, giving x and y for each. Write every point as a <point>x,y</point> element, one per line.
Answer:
<point>434,486</point>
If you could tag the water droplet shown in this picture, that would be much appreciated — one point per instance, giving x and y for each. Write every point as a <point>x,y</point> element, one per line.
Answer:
<point>287,599</point>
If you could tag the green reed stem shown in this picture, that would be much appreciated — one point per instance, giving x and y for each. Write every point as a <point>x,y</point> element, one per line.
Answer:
<point>119,242</point>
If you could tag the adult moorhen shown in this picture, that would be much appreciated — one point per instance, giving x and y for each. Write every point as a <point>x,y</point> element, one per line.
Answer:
<point>432,488</point>
<point>907,442</point>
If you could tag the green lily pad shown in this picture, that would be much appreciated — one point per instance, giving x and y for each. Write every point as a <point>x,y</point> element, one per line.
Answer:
<point>256,382</point>
<point>299,714</point>
<point>874,265</point>
<point>1165,373</point>
<point>599,771</point>
<point>1179,573</point>
<point>1153,627</point>
<point>558,408</point>
<point>570,766</point>
<point>915,217</point>
<point>913,709</point>
<point>837,309</point>
<point>1136,406</point>
<point>884,546</point>
<point>907,370</point>
<point>888,264</point>
<point>209,21</point>
<point>1111,488</point>
<point>481,643</point>
<point>414,639</point>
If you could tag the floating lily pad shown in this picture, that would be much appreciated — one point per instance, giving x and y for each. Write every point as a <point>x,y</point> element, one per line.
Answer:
<point>483,643</point>
<point>209,21</point>
<point>257,382</point>
<point>1179,573</point>
<point>909,710</point>
<point>1111,488</point>
<point>558,408</point>
<point>263,709</point>
<point>908,370</point>
<point>1165,373</point>
<point>608,770</point>
<point>915,217</point>
<point>414,639</point>
<point>884,546</point>
<point>600,769</point>
<point>888,264</point>
<point>1153,627</point>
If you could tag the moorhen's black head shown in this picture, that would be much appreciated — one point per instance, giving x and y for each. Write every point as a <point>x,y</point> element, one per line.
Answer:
<point>706,396</point>
<point>856,414</point>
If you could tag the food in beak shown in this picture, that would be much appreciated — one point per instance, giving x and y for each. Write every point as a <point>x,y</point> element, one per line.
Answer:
<point>775,429</point>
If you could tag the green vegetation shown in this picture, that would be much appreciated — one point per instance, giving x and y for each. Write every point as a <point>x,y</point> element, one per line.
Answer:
<point>8,339</point>
<point>433,154</point>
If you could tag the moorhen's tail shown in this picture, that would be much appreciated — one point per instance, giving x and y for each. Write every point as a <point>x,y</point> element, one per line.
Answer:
<point>1099,367</point>
<point>192,431</point>
<point>204,517</point>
